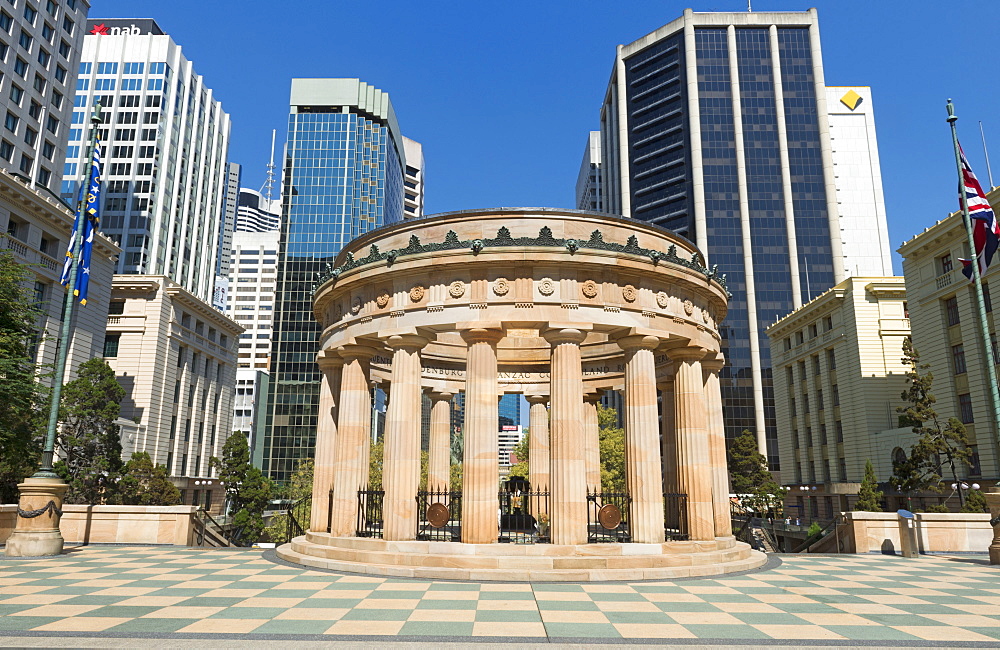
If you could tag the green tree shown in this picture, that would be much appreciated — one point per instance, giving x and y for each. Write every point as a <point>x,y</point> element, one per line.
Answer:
<point>22,417</point>
<point>455,480</point>
<point>299,487</point>
<point>520,468</point>
<point>747,466</point>
<point>611,438</point>
<point>88,438</point>
<point>247,489</point>
<point>457,447</point>
<point>375,464</point>
<point>975,502</point>
<point>869,496</point>
<point>940,448</point>
<point>146,484</point>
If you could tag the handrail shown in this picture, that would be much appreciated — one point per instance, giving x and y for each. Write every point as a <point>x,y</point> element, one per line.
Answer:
<point>818,537</point>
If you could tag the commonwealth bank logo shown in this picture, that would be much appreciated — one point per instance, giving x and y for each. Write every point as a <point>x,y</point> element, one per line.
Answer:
<point>851,99</point>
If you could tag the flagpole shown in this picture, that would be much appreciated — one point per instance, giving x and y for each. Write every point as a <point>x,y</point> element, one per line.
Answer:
<point>977,282</point>
<point>45,471</point>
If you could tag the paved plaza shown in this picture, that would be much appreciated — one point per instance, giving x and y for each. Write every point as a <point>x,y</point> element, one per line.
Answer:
<point>238,597</point>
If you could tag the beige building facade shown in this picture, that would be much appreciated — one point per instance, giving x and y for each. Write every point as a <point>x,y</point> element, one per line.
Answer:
<point>838,377</point>
<point>176,358</point>
<point>946,332</point>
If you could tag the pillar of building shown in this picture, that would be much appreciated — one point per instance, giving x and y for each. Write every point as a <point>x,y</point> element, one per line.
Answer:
<point>643,468</point>
<point>691,417</point>
<point>353,441</point>
<point>439,444</point>
<point>401,463</point>
<point>567,468</point>
<point>717,446</point>
<point>591,441</point>
<point>538,442</point>
<point>330,365</point>
<point>668,435</point>
<point>480,468</point>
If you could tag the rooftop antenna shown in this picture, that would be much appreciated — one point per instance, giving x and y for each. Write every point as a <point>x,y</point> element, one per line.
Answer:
<point>749,7</point>
<point>269,183</point>
<point>989,172</point>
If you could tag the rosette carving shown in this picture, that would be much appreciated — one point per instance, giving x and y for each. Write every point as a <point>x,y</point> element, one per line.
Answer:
<point>417,293</point>
<point>688,307</point>
<point>456,289</point>
<point>662,299</point>
<point>501,286</point>
<point>589,289</point>
<point>382,300</point>
<point>629,293</point>
<point>356,304</point>
<point>546,286</point>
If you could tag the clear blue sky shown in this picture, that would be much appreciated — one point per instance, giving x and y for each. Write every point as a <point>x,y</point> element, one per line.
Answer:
<point>502,95</point>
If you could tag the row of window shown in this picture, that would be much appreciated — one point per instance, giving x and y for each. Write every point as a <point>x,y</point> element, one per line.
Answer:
<point>813,329</point>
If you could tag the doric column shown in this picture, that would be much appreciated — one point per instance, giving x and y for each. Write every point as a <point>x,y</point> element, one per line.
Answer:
<point>439,445</point>
<point>717,446</point>
<point>568,474</point>
<point>401,464</point>
<point>480,469</point>
<point>591,441</point>
<point>538,442</point>
<point>668,435</point>
<point>353,441</point>
<point>643,471</point>
<point>330,364</point>
<point>693,476</point>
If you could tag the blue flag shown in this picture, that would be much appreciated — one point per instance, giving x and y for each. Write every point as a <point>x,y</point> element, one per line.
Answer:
<point>68,262</point>
<point>91,224</point>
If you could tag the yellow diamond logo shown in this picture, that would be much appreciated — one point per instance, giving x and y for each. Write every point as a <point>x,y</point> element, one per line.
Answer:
<point>851,99</point>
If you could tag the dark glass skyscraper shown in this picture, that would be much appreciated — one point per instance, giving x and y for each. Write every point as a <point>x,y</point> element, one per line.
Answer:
<point>342,177</point>
<point>715,126</point>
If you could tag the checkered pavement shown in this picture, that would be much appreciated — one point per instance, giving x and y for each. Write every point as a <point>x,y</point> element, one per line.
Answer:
<point>180,593</point>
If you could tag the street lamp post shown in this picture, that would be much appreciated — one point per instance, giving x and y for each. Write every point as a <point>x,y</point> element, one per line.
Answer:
<point>960,487</point>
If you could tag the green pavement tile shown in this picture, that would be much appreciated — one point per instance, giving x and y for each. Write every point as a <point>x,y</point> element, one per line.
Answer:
<point>639,617</point>
<point>453,586</point>
<point>948,600</point>
<point>249,612</point>
<point>446,604</point>
<point>25,622</point>
<point>725,632</point>
<point>121,611</point>
<point>689,607</point>
<point>250,584</point>
<point>566,605</point>
<point>659,589</point>
<point>506,595</point>
<point>582,631</point>
<point>178,592</point>
<point>209,601</point>
<point>290,593</point>
<point>400,595</point>
<point>74,591</point>
<point>763,590</point>
<point>352,586</point>
<point>147,625</point>
<point>807,608</point>
<point>435,628</point>
<point>91,599</point>
<point>900,619</point>
<point>538,588</point>
<point>377,615</point>
<point>507,616</point>
<point>333,603</point>
<point>871,633</point>
<point>293,627</point>
<point>10,609</point>
<point>758,618</point>
<point>987,631</point>
<point>617,598</point>
<point>729,598</point>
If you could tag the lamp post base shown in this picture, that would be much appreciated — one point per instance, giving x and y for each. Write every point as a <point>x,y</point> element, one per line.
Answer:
<point>38,513</point>
<point>993,500</point>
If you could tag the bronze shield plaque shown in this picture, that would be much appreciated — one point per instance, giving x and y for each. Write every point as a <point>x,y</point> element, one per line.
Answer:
<point>438,515</point>
<point>609,516</point>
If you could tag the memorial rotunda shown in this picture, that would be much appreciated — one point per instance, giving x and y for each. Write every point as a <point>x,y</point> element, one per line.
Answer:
<point>558,305</point>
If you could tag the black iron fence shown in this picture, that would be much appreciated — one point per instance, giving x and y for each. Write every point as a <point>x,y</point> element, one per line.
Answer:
<point>675,519</point>
<point>524,516</point>
<point>299,514</point>
<point>439,515</point>
<point>370,513</point>
<point>608,517</point>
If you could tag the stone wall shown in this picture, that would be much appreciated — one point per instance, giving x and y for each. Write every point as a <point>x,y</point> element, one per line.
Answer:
<point>874,532</point>
<point>84,524</point>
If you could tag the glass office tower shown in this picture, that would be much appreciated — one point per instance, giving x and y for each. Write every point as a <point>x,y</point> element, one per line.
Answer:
<point>715,126</point>
<point>342,177</point>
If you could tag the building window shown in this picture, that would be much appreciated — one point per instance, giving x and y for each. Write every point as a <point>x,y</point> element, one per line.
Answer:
<point>958,359</point>
<point>791,406</point>
<point>987,300</point>
<point>819,400</point>
<point>805,403</point>
<point>795,438</point>
<point>839,428</point>
<point>996,351</point>
<point>828,323</point>
<point>11,122</point>
<point>975,468</point>
<point>951,311</point>
<point>831,359</point>
<point>836,395</point>
<point>111,345</point>
<point>945,264</point>
<point>965,408</point>
<point>816,365</point>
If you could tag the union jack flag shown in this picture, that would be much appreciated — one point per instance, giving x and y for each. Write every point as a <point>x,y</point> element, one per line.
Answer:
<point>985,229</point>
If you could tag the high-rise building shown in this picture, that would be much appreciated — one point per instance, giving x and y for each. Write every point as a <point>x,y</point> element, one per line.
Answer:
<point>255,213</point>
<point>588,182</point>
<point>165,140</point>
<point>223,262</point>
<point>40,44</point>
<point>716,126</point>
<point>343,176</point>
<point>251,297</point>
<point>413,179</point>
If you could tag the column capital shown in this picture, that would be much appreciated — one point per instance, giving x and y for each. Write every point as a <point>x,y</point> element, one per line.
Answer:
<point>557,335</point>
<point>686,353</point>
<point>439,395</point>
<point>329,360</point>
<point>486,333</point>
<point>713,362</point>
<point>592,398</point>
<point>665,383</point>
<point>406,341</point>
<point>350,351</point>
<point>537,399</point>
<point>639,342</point>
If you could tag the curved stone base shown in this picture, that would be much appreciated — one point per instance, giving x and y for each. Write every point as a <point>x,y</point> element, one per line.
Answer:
<point>522,562</point>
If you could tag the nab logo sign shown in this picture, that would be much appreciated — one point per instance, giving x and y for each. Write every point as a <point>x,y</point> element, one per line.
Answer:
<point>104,30</point>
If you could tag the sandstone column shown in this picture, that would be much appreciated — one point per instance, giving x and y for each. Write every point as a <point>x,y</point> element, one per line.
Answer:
<point>591,441</point>
<point>353,441</point>
<point>480,469</point>
<point>643,469</point>
<point>538,442</point>
<point>668,435</point>
<point>568,475</point>
<point>401,465</point>
<point>439,445</point>
<point>717,446</point>
<point>693,476</point>
<point>326,439</point>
